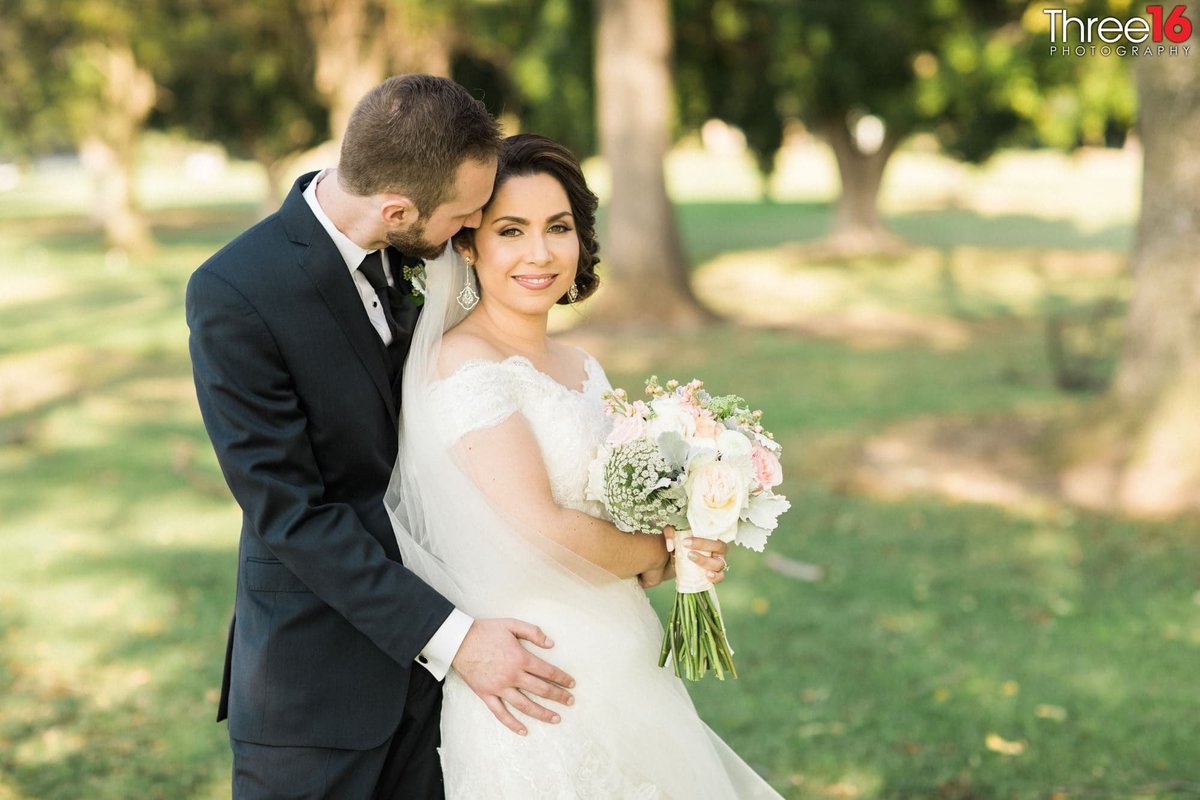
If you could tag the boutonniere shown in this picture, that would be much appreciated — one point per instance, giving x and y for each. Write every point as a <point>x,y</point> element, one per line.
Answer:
<point>415,275</point>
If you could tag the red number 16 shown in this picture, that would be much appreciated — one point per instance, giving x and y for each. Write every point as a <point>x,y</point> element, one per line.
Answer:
<point>1177,27</point>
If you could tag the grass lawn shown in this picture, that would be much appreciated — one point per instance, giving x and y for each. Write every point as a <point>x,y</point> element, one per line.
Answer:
<point>952,651</point>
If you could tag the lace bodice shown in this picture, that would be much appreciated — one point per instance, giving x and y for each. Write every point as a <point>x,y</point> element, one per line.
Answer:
<point>569,425</point>
<point>633,732</point>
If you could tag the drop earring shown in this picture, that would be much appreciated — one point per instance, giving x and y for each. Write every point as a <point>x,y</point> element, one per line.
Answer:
<point>468,298</point>
<point>572,293</point>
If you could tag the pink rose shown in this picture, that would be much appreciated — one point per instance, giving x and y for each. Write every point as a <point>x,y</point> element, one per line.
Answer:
<point>626,430</point>
<point>707,427</point>
<point>767,470</point>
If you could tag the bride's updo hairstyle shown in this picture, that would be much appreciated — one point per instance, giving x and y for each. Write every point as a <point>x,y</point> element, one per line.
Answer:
<point>530,154</point>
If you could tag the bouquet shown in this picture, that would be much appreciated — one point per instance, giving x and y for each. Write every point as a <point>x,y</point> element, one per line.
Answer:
<point>685,458</point>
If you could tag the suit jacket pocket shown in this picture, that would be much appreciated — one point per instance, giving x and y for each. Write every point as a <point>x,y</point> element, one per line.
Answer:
<point>263,575</point>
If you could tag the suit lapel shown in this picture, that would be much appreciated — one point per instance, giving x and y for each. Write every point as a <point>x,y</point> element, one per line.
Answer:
<point>324,266</point>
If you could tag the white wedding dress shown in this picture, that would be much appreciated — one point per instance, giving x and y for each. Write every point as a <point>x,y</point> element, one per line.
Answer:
<point>632,731</point>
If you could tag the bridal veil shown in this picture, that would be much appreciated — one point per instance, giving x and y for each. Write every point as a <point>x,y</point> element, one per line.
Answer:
<point>491,562</point>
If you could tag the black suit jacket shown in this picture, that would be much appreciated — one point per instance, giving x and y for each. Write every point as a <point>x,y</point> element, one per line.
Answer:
<point>293,384</point>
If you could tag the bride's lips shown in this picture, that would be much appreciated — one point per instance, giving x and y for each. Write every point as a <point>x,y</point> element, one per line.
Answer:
<point>535,282</point>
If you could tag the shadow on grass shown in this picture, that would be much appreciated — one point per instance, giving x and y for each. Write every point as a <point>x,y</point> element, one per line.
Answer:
<point>172,227</point>
<point>91,310</point>
<point>961,228</point>
<point>710,229</point>
<point>144,727</point>
<point>812,386</point>
<point>198,584</point>
<point>127,464</point>
<point>944,637</point>
<point>937,626</point>
<point>707,228</point>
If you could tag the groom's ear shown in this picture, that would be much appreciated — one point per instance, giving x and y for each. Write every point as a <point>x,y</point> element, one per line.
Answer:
<point>398,210</point>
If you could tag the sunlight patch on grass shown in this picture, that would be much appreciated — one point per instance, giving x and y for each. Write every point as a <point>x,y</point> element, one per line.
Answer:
<point>932,624</point>
<point>52,745</point>
<point>29,286</point>
<point>698,174</point>
<point>160,184</point>
<point>805,171</point>
<point>40,377</point>
<point>1094,188</point>
<point>923,296</point>
<point>1055,555</point>
<point>160,396</point>
<point>909,622</point>
<point>769,283</point>
<point>856,784</point>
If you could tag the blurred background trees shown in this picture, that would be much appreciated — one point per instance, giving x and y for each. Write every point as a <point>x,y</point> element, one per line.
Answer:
<point>273,80</point>
<point>634,91</point>
<point>975,74</point>
<point>974,334</point>
<point>236,77</point>
<point>1151,450</point>
<point>83,72</point>
<point>626,81</point>
<point>355,44</point>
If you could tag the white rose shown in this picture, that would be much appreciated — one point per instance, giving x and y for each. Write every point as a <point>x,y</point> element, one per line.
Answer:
<point>717,493</point>
<point>734,446</point>
<point>670,416</point>
<point>736,450</point>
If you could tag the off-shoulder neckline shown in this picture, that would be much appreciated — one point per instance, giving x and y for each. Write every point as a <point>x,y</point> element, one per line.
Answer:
<point>588,362</point>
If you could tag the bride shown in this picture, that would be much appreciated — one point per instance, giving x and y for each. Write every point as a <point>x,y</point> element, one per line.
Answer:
<point>487,498</point>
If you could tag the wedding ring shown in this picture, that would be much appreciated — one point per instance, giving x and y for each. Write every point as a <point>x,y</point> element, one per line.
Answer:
<point>724,564</point>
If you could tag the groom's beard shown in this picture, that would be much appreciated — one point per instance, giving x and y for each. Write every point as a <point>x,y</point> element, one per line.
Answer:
<point>412,243</point>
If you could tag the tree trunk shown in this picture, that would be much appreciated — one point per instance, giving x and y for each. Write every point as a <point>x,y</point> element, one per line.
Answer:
<point>858,228</point>
<point>426,36</point>
<point>360,42</point>
<point>1157,387</point>
<point>351,45</point>
<point>644,271</point>
<point>276,170</point>
<point>108,145</point>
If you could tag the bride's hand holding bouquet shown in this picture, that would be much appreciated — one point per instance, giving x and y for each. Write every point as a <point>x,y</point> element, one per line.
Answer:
<point>685,459</point>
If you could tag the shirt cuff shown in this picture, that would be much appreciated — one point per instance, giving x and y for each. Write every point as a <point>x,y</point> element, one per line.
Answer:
<point>440,651</point>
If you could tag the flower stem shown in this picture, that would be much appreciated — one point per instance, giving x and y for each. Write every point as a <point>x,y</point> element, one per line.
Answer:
<point>695,638</point>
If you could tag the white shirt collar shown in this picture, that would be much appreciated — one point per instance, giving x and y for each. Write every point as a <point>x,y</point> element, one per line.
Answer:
<point>351,252</point>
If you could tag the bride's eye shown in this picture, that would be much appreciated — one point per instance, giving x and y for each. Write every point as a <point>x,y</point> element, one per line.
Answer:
<point>560,227</point>
<point>510,232</point>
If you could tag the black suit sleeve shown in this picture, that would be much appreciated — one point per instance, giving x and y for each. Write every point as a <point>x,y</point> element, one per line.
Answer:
<point>258,429</point>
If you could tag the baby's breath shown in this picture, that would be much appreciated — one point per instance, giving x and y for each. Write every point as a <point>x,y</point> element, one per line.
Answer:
<point>637,499</point>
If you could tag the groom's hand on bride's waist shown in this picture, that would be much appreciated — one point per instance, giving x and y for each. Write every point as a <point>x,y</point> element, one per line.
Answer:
<point>504,674</point>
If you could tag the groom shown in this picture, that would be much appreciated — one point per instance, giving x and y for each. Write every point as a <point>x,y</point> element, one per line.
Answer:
<point>299,328</point>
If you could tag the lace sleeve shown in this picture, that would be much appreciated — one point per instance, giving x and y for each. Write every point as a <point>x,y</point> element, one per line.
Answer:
<point>479,394</point>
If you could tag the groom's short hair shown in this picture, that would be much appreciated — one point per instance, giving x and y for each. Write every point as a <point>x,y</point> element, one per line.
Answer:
<point>409,135</point>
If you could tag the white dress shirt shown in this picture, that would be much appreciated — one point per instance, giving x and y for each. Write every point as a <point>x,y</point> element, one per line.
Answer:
<point>440,650</point>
